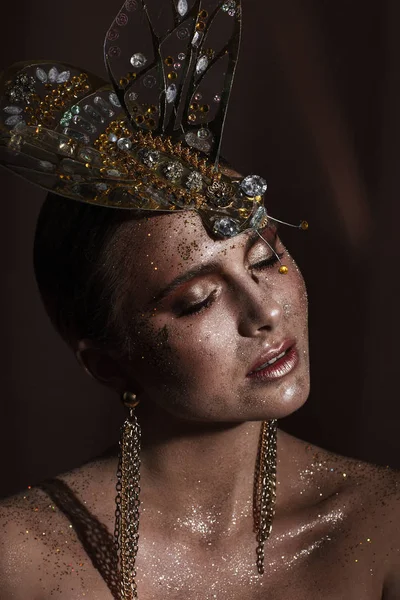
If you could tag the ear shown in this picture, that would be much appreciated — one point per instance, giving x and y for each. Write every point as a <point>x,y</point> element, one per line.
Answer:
<point>101,364</point>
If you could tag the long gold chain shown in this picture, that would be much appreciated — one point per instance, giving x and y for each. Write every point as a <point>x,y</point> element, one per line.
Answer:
<point>126,533</point>
<point>265,488</point>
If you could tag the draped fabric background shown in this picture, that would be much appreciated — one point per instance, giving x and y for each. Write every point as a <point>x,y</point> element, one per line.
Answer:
<point>315,109</point>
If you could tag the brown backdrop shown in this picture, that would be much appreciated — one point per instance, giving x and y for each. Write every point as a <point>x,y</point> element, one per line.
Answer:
<point>315,109</point>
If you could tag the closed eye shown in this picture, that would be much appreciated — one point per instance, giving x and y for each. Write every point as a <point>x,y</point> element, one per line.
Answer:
<point>268,262</point>
<point>200,306</point>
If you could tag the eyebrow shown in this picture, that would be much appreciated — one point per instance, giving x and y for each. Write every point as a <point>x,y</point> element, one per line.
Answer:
<point>204,269</point>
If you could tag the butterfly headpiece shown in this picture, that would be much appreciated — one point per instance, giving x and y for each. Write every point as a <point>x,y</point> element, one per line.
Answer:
<point>150,139</point>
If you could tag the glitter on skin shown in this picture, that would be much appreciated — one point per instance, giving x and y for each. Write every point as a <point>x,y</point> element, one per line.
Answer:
<point>196,530</point>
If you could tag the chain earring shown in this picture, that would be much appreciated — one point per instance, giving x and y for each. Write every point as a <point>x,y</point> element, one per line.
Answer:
<point>126,533</point>
<point>265,488</point>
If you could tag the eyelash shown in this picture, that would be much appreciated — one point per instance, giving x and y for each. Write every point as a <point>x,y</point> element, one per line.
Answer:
<point>198,308</point>
<point>268,262</point>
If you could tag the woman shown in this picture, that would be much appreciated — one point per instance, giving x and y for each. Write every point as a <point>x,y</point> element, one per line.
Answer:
<point>211,340</point>
<point>192,359</point>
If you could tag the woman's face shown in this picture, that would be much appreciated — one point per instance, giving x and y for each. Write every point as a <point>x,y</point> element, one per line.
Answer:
<point>206,314</point>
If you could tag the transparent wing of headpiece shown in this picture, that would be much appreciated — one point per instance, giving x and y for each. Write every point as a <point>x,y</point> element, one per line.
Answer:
<point>151,138</point>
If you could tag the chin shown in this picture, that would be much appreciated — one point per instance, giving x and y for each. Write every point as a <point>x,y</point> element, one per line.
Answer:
<point>283,401</point>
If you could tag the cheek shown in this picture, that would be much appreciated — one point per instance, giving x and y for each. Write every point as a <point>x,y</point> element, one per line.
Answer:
<point>292,293</point>
<point>184,351</point>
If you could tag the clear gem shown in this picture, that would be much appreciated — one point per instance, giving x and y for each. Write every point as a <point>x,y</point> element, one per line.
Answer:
<point>15,143</point>
<point>93,114</point>
<point>181,56</point>
<point>101,187</point>
<point>53,74</point>
<point>68,165</point>
<point>197,39</point>
<point>124,144</point>
<point>226,227</point>
<point>182,7</point>
<point>22,89</point>
<point>13,110</point>
<point>177,66</point>
<point>170,93</point>
<point>173,170</point>
<point>76,135</point>
<point>13,120</point>
<point>114,100</point>
<point>88,127</point>
<point>138,60</point>
<point>65,119</point>
<point>112,137</point>
<point>87,154</point>
<point>102,105</point>
<point>194,182</point>
<point>75,110</point>
<point>203,133</point>
<point>230,7</point>
<point>194,141</point>
<point>197,97</point>
<point>150,158</point>
<point>217,98</point>
<point>132,96</point>
<point>113,173</point>
<point>253,185</point>
<point>65,148</point>
<point>41,75</point>
<point>63,77</point>
<point>258,217</point>
<point>22,126</point>
<point>46,165</point>
<point>201,64</point>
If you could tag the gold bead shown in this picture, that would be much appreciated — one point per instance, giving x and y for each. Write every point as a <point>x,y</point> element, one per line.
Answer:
<point>203,14</point>
<point>200,26</point>
<point>283,270</point>
<point>130,399</point>
<point>172,75</point>
<point>192,117</point>
<point>169,61</point>
<point>304,225</point>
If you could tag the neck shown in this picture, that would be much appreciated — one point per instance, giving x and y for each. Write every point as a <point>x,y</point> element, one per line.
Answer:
<point>205,471</point>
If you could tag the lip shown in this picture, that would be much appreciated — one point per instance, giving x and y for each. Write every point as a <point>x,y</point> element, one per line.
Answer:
<point>280,367</point>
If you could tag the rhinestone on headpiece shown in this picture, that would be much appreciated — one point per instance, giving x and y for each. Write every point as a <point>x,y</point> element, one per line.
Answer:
<point>151,138</point>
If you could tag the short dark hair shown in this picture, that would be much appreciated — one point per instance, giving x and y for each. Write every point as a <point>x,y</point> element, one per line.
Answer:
<point>75,268</point>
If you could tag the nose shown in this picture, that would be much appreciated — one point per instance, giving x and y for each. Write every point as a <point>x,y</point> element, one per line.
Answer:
<point>260,311</point>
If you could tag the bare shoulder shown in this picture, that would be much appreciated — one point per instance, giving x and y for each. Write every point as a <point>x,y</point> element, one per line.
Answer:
<point>49,531</point>
<point>27,521</point>
<point>368,498</point>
